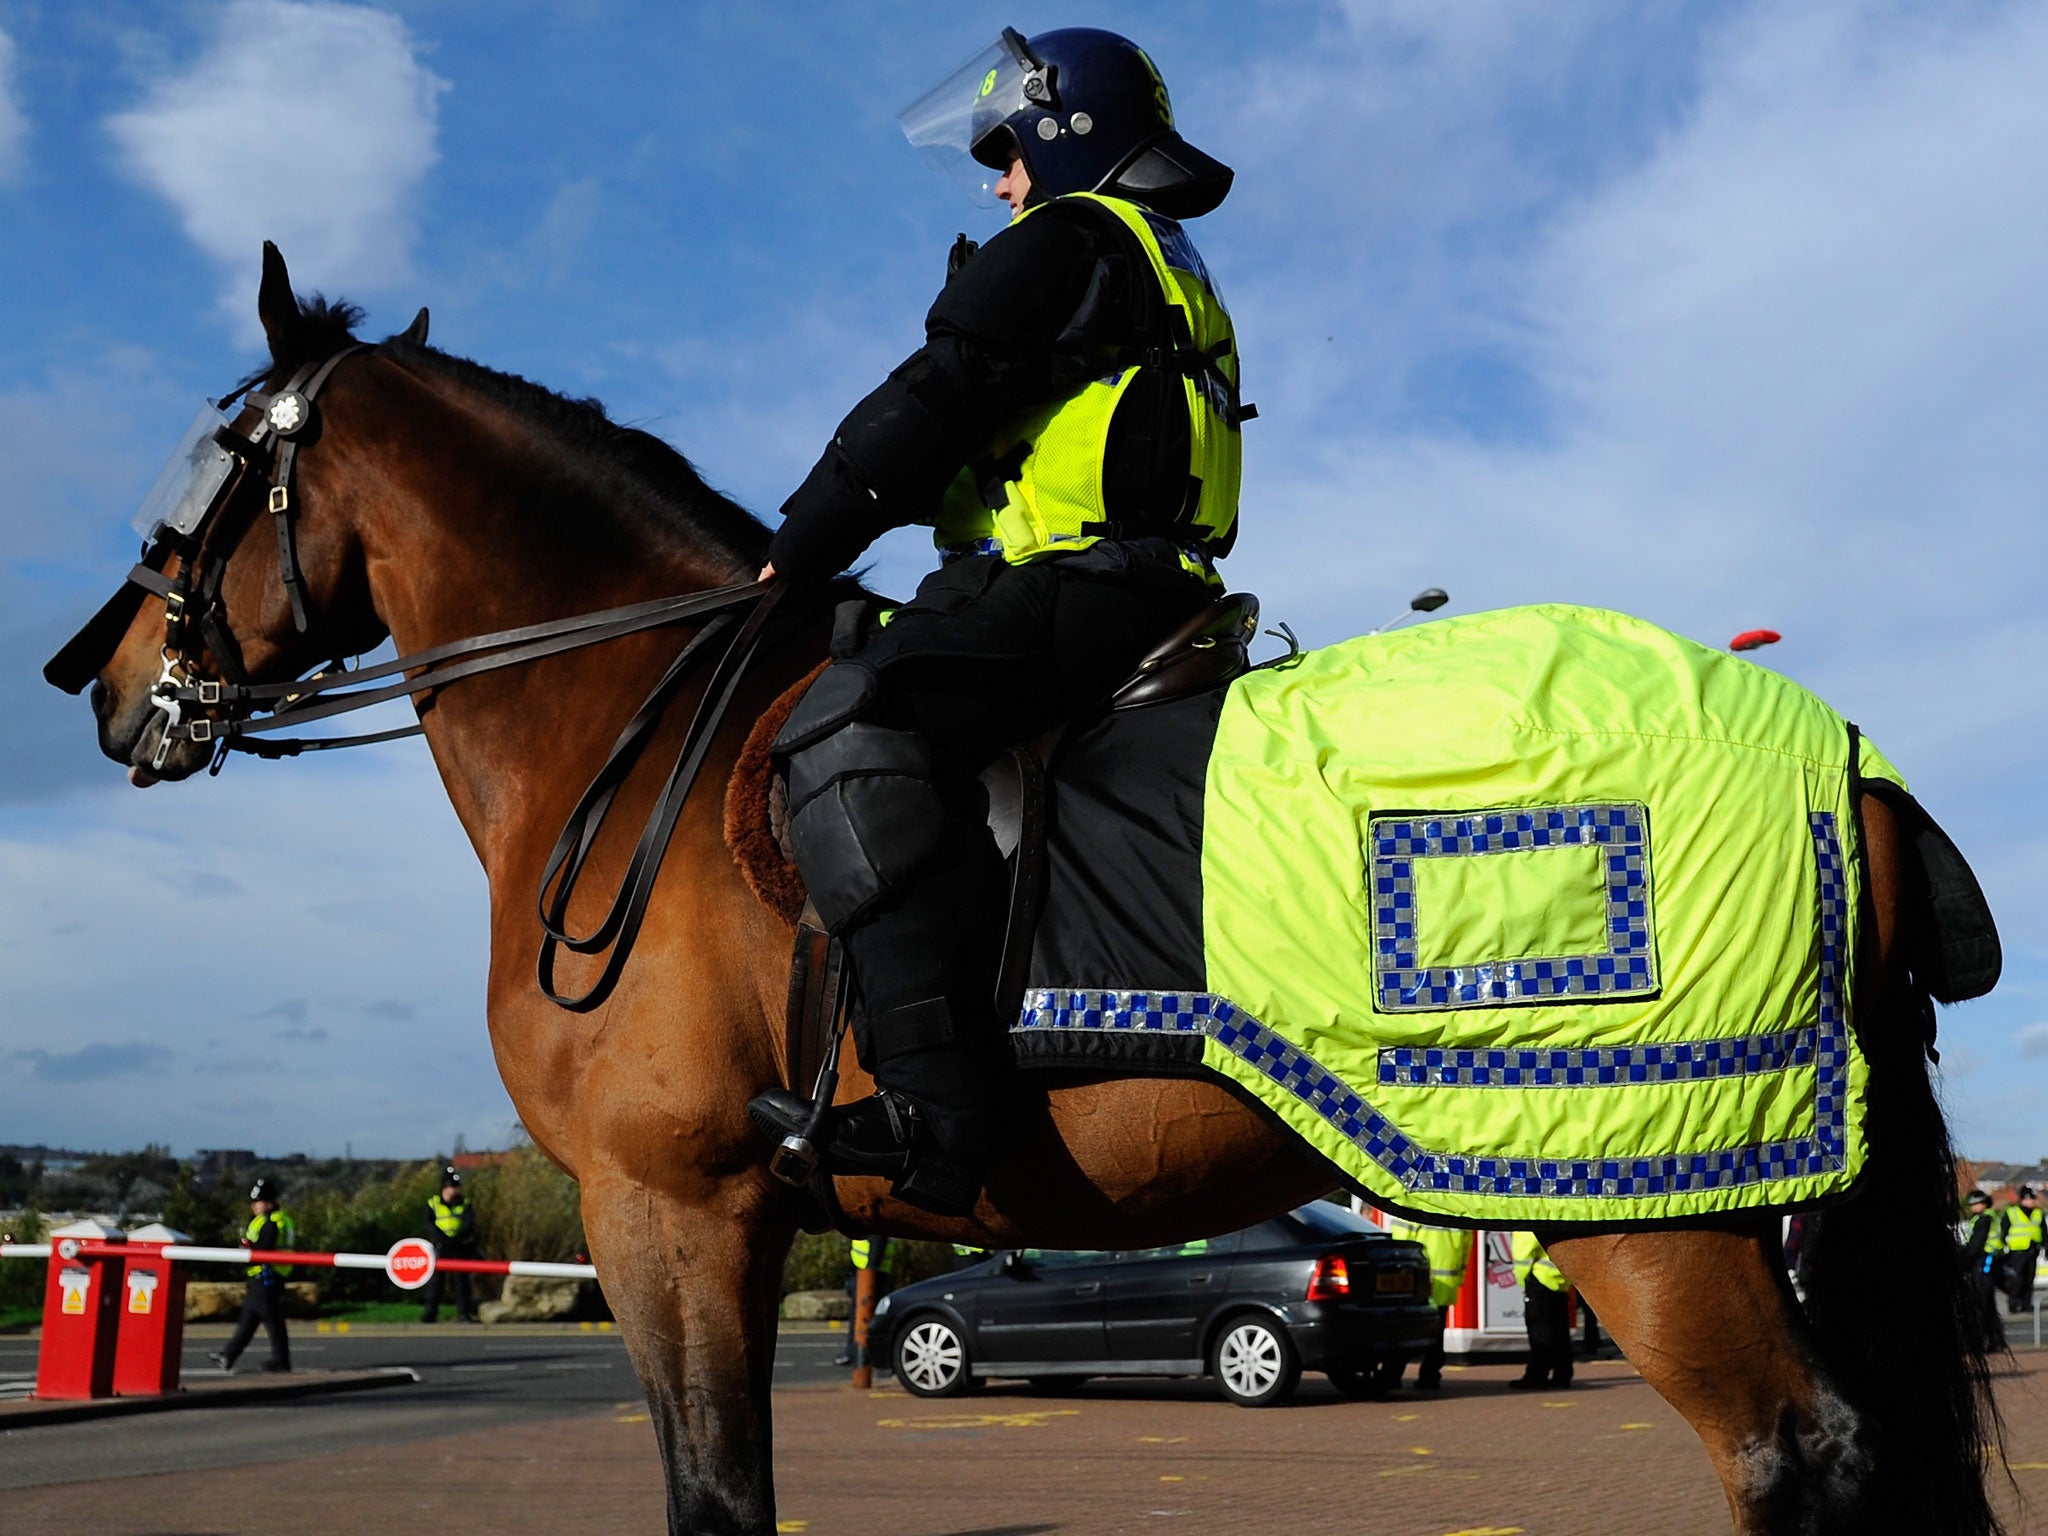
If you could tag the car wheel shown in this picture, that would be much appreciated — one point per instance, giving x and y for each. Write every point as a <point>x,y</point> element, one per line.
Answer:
<point>1254,1362</point>
<point>931,1359</point>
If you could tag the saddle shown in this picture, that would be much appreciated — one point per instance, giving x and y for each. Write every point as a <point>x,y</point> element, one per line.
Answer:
<point>1207,652</point>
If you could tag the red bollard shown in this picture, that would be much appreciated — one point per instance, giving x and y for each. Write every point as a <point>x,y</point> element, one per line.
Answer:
<point>81,1314</point>
<point>863,1314</point>
<point>152,1329</point>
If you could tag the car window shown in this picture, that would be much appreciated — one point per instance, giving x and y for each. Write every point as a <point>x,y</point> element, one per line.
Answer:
<point>1061,1258</point>
<point>1199,1248</point>
<point>1327,1220</point>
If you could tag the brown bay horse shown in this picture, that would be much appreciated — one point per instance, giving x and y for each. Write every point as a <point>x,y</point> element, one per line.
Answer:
<point>440,500</point>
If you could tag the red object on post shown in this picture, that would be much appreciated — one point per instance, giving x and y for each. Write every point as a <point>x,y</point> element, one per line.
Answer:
<point>1465,1310</point>
<point>152,1329</point>
<point>81,1314</point>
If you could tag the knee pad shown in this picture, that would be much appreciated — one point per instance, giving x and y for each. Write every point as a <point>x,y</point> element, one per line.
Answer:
<point>864,814</point>
<point>841,692</point>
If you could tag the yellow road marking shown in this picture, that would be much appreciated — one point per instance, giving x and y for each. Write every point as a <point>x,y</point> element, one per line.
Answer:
<point>791,1527</point>
<point>341,1327</point>
<point>1560,1405</point>
<point>1029,1420</point>
<point>1162,1439</point>
<point>1488,1530</point>
<point>631,1418</point>
<point>2028,1466</point>
<point>1638,1426</point>
<point>1420,1450</point>
<point>1406,1418</point>
<point>1170,1478</point>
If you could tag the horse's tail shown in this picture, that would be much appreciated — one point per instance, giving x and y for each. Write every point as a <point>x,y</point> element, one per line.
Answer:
<point>1892,1305</point>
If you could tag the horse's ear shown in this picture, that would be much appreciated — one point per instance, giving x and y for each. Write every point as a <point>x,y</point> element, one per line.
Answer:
<point>276,305</point>
<point>416,333</point>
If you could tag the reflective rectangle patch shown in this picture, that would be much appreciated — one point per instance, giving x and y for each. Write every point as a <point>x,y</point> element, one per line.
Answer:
<point>1576,871</point>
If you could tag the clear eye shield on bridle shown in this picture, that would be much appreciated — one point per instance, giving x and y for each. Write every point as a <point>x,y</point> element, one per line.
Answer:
<point>198,484</point>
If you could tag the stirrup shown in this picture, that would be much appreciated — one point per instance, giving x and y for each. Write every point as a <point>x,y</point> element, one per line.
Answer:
<point>794,1125</point>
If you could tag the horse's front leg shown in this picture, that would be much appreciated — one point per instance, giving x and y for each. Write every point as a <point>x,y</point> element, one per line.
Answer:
<point>692,1279</point>
<point>1709,1320</point>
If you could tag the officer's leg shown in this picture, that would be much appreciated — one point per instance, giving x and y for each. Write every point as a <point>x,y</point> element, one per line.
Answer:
<point>465,1308</point>
<point>245,1325</point>
<point>273,1324</point>
<point>430,1298</point>
<point>1429,1374</point>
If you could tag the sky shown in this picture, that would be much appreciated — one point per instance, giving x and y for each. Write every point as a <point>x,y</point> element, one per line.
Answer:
<point>1724,315</point>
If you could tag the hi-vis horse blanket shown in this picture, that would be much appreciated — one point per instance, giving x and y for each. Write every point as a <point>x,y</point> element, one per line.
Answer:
<point>1543,914</point>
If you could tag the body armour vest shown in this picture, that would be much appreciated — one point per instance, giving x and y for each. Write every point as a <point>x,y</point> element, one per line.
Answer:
<point>1039,490</point>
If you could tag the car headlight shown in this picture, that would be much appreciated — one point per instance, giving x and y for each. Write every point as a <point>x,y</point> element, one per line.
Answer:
<point>881,1306</point>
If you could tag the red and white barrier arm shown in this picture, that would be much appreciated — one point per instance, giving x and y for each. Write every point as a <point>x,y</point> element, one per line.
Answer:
<point>191,1254</point>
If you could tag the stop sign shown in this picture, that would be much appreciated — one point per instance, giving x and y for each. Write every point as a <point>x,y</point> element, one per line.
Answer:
<point>410,1263</point>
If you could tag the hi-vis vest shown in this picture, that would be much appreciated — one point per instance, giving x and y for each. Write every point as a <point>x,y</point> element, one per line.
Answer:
<point>865,1257</point>
<point>447,1218</point>
<point>2022,1228</point>
<point>287,1236</point>
<point>1450,1253</point>
<point>1039,489</point>
<point>1531,1259</point>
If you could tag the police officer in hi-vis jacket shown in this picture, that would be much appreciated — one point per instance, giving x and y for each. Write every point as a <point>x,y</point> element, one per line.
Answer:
<point>1069,429</point>
<point>451,1227</point>
<point>270,1227</point>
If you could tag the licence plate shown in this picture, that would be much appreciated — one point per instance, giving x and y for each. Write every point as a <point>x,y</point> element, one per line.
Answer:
<point>1398,1281</point>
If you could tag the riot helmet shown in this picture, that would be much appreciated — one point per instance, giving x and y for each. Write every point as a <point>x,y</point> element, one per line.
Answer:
<point>263,1189</point>
<point>1086,111</point>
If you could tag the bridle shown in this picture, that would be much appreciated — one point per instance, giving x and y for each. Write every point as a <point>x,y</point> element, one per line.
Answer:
<point>265,453</point>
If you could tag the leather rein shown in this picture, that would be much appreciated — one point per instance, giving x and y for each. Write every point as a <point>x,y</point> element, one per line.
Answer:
<point>737,614</point>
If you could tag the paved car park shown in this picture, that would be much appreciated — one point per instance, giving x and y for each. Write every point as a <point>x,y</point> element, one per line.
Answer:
<point>1129,1456</point>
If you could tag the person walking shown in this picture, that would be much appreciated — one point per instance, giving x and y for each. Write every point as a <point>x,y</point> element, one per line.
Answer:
<point>451,1225</point>
<point>1983,1251</point>
<point>270,1227</point>
<point>1450,1254</point>
<point>2023,1224</point>
<point>1547,1316</point>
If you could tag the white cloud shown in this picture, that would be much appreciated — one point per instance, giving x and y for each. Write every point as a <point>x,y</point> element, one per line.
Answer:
<point>13,121</point>
<point>2032,1041</point>
<point>303,121</point>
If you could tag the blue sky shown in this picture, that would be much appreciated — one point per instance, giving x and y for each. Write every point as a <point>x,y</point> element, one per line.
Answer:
<point>1724,315</point>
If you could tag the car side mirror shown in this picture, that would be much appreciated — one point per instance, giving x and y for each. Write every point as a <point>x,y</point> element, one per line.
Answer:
<point>1013,1263</point>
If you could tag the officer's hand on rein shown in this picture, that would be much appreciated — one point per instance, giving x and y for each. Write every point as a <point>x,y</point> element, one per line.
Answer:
<point>767,572</point>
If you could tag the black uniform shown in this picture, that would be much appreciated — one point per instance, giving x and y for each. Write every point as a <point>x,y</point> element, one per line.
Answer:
<point>1983,1264</point>
<point>460,1244</point>
<point>263,1303</point>
<point>988,653</point>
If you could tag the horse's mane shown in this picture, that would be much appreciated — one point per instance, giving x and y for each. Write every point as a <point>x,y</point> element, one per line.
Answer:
<point>629,468</point>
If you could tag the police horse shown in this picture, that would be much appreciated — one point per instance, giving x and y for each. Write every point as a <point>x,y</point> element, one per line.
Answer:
<point>394,490</point>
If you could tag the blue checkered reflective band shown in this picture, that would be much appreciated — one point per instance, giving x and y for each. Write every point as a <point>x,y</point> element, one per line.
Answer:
<point>1625,970</point>
<point>1684,1061</point>
<point>1824,1046</point>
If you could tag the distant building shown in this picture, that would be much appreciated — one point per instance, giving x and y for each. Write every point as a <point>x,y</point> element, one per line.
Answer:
<point>223,1162</point>
<point>2001,1181</point>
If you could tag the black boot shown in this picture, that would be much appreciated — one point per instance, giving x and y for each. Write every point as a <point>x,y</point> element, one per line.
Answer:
<point>886,1135</point>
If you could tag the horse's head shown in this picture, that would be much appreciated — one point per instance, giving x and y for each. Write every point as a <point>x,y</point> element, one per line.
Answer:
<point>253,571</point>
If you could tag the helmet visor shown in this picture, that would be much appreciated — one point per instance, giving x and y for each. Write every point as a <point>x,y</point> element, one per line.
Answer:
<point>185,490</point>
<point>947,122</point>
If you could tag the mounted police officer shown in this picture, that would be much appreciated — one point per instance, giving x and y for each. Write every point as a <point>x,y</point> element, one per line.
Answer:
<point>270,1227</point>
<point>451,1227</point>
<point>1070,430</point>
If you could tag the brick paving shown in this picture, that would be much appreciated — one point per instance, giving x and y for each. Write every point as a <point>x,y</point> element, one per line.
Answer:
<point>1607,1456</point>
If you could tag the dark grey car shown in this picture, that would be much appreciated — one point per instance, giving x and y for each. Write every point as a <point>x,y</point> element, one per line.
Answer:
<point>1318,1289</point>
